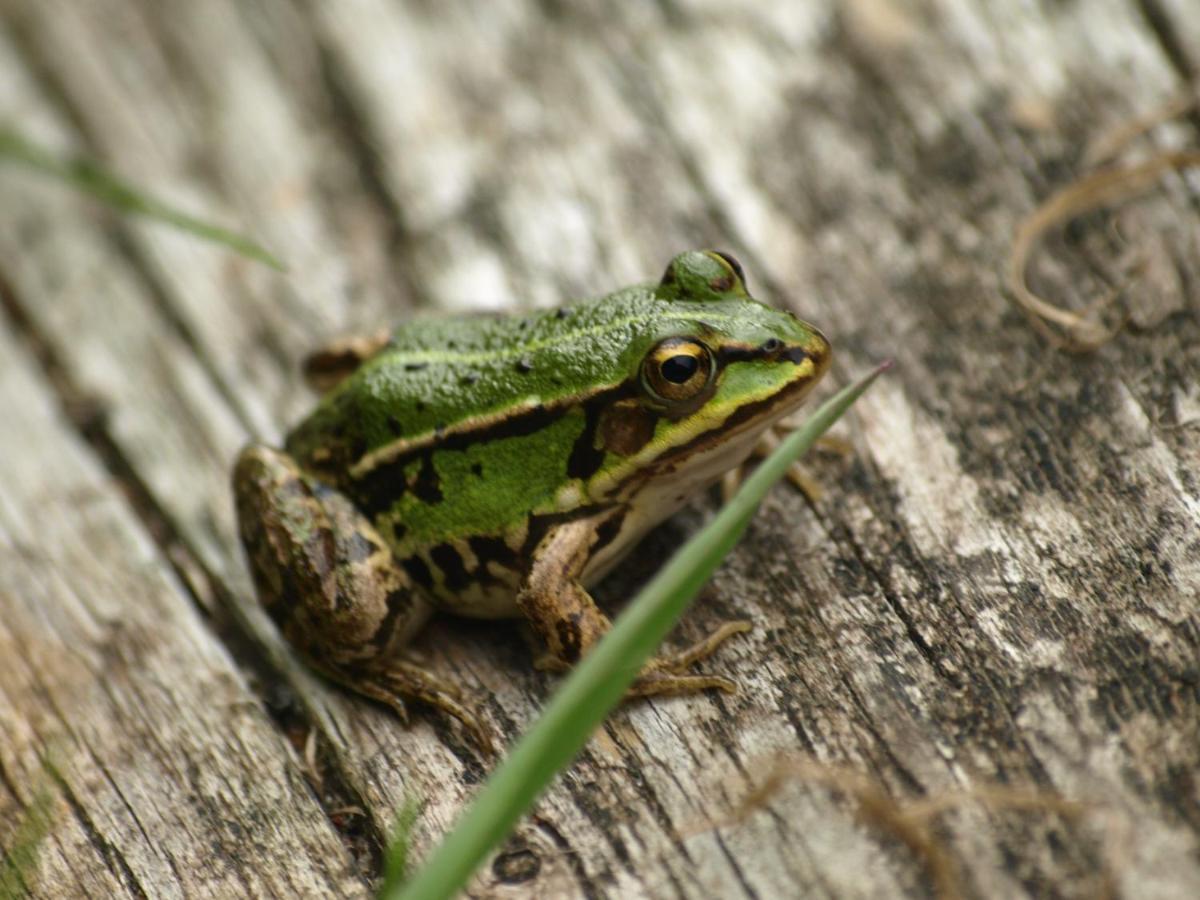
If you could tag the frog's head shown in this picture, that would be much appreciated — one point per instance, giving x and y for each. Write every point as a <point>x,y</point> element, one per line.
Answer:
<point>714,368</point>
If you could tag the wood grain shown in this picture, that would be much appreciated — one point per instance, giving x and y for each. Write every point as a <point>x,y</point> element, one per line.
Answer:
<point>998,591</point>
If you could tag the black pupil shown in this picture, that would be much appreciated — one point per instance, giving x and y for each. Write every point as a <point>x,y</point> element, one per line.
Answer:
<point>679,369</point>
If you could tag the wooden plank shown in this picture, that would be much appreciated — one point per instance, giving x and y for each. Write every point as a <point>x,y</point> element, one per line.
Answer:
<point>164,773</point>
<point>976,600</point>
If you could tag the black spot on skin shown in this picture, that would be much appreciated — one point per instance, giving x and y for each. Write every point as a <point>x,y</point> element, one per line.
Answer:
<point>540,525</point>
<point>608,531</point>
<point>428,486</point>
<point>517,866</point>
<point>727,355</point>
<point>415,367</point>
<point>470,378</point>
<point>524,365</point>
<point>418,572</point>
<point>586,458</point>
<point>399,602</point>
<point>491,549</point>
<point>454,573</point>
<point>377,490</point>
<point>477,469</point>
<point>569,639</point>
<point>395,425</point>
<point>421,406</point>
<point>561,313</point>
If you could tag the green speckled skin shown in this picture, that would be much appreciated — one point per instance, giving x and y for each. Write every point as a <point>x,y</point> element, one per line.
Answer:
<point>524,382</point>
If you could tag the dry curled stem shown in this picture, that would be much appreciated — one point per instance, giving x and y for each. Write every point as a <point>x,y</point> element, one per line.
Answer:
<point>913,823</point>
<point>1068,329</point>
<point>1112,143</point>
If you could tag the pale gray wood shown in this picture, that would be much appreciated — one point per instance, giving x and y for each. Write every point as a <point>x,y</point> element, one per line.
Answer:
<point>163,774</point>
<point>1001,586</point>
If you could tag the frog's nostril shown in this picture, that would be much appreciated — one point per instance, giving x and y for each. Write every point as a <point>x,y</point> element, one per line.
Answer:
<point>771,346</point>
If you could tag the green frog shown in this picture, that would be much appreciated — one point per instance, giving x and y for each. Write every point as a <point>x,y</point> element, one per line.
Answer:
<point>499,466</point>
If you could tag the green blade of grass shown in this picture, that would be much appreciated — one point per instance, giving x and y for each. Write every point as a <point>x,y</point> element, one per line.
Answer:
<point>600,680</point>
<point>88,177</point>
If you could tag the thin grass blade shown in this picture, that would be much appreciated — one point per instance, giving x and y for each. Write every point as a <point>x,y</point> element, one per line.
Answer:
<point>90,178</point>
<point>599,682</point>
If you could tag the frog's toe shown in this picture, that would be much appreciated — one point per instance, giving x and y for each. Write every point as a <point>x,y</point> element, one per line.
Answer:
<point>548,662</point>
<point>667,674</point>
<point>678,662</point>
<point>658,684</point>
<point>397,683</point>
<point>415,683</point>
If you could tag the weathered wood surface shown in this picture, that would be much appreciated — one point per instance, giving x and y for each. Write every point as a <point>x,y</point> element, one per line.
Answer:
<point>1000,587</point>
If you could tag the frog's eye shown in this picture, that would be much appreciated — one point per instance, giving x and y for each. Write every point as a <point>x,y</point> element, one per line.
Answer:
<point>677,370</point>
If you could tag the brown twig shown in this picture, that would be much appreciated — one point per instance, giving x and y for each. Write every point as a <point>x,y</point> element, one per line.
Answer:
<point>1083,331</point>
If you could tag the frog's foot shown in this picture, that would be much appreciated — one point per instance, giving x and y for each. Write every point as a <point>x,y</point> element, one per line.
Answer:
<point>672,664</point>
<point>666,674</point>
<point>677,662</point>
<point>396,681</point>
<point>796,473</point>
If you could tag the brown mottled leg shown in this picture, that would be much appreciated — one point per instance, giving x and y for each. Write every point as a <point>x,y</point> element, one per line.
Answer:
<point>333,587</point>
<point>568,621</point>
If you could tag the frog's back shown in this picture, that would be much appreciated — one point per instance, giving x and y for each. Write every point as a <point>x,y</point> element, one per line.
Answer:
<point>438,375</point>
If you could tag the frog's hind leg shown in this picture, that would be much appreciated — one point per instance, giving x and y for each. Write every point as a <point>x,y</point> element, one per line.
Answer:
<point>334,588</point>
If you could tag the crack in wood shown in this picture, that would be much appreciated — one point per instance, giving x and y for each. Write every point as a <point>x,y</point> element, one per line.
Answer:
<point>89,419</point>
<point>112,856</point>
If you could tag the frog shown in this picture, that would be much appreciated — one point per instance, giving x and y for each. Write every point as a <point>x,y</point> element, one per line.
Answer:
<point>498,467</point>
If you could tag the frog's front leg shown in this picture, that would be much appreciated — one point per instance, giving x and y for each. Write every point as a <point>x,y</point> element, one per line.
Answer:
<point>333,587</point>
<point>568,621</point>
